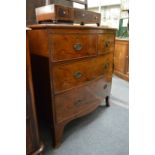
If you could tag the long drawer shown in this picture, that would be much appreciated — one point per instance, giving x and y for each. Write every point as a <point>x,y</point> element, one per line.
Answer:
<point>69,75</point>
<point>72,46</point>
<point>72,103</point>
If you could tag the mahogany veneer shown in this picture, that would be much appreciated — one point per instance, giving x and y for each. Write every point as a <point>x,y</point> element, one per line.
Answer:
<point>55,13</point>
<point>121,58</point>
<point>74,64</point>
<point>33,144</point>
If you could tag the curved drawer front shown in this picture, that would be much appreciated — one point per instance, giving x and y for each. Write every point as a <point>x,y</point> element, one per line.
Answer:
<point>81,101</point>
<point>67,76</point>
<point>72,46</point>
<point>106,43</point>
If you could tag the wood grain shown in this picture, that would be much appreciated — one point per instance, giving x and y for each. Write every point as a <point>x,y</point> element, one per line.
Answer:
<point>33,143</point>
<point>72,103</point>
<point>63,13</point>
<point>68,49</point>
<point>64,75</point>
<point>121,59</point>
<point>39,42</point>
<point>106,43</point>
<point>75,73</point>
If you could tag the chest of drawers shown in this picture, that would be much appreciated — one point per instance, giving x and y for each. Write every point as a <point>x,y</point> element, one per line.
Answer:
<point>73,67</point>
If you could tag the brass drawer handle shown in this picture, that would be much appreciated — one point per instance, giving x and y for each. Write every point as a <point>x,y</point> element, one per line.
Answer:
<point>78,46</point>
<point>77,74</point>
<point>107,44</point>
<point>81,102</point>
<point>106,66</point>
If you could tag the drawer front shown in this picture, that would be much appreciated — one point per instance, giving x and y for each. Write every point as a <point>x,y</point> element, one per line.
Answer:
<point>72,46</point>
<point>64,13</point>
<point>95,18</point>
<point>83,16</point>
<point>77,102</point>
<point>80,15</point>
<point>67,76</point>
<point>106,43</point>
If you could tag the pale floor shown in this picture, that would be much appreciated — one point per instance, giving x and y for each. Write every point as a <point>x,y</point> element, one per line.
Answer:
<point>120,92</point>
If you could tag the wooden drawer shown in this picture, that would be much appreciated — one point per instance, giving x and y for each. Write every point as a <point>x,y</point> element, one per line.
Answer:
<point>95,17</point>
<point>72,46</point>
<point>106,43</point>
<point>64,13</point>
<point>84,16</point>
<point>67,76</point>
<point>74,103</point>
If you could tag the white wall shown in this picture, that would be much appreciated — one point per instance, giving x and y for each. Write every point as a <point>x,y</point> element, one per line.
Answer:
<point>110,10</point>
<point>110,15</point>
<point>96,3</point>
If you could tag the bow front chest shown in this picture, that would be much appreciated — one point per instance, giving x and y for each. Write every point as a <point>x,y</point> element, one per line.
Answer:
<point>72,70</point>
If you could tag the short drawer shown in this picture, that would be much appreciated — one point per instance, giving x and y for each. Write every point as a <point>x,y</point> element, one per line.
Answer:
<point>81,15</point>
<point>95,17</point>
<point>72,46</point>
<point>63,13</point>
<point>67,76</point>
<point>77,102</point>
<point>86,17</point>
<point>106,43</point>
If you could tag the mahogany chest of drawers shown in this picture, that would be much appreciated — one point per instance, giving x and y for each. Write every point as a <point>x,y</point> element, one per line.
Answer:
<point>73,66</point>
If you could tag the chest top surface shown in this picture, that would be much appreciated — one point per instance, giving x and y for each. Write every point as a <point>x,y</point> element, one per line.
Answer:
<point>67,26</point>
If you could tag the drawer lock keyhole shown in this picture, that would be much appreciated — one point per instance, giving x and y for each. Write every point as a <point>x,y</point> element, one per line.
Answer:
<point>107,44</point>
<point>106,66</point>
